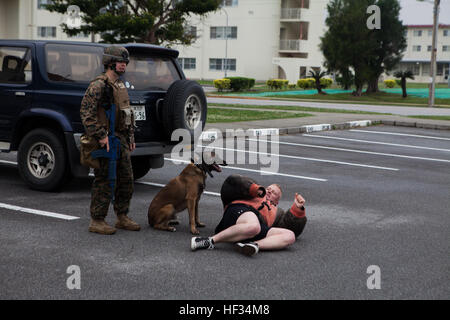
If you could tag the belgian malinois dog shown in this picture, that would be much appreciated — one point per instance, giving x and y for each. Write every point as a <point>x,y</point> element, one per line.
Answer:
<point>183,192</point>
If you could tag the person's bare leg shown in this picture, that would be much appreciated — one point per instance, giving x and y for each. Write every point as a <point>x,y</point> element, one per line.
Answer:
<point>246,227</point>
<point>276,239</point>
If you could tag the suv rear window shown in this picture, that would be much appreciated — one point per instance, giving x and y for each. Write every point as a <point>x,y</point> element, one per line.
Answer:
<point>15,65</point>
<point>73,63</point>
<point>147,72</point>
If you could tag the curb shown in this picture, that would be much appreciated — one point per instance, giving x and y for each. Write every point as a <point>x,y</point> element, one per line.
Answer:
<point>212,135</point>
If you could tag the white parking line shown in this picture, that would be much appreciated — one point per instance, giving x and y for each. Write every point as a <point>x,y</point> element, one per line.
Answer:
<point>38,212</point>
<point>259,171</point>
<point>8,162</point>
<point>308,159</point>
<point>357,151</point>
<point>400,134</point>
<point>376,142</point>
<point>163,185</point>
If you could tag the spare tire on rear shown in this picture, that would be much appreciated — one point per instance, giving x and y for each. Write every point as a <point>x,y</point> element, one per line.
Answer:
<point>185,107</point>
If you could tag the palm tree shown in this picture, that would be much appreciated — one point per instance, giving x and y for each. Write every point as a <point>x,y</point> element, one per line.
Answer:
<point>403,75</point>
<point>317,75</point>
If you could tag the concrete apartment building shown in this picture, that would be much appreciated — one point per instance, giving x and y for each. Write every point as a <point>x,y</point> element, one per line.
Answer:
<point>26,19</point>
<point>418,53</point>
<point>261,39</point>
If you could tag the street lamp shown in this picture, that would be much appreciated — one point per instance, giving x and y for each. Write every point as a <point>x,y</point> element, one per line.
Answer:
<point>433,65</point>
<point>226,44</point>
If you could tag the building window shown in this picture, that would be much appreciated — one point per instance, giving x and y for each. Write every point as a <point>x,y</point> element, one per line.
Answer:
<point>42,3</point>
<point>417,33</point>
<point>430,33</point>
<point>221,64</point>
<point>223,32</point>
<point>446,33</point>
<point>191,31</point>
<point>446,48</point>
<point>440,69</point>
<point>230,3</point>
<point>46,32</point>
<point>187,63</point>
<point>429,48</point>
<point>417,48</point>
<point>81,35</point>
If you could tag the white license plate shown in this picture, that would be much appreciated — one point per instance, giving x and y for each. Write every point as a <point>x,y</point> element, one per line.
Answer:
<point>139,113</point>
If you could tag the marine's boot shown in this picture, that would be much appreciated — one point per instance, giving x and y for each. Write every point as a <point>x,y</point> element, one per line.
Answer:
<point>123,222</point>
<point>100,226</point>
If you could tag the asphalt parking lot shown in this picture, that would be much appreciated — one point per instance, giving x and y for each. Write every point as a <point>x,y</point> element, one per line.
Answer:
<point>377,196</point>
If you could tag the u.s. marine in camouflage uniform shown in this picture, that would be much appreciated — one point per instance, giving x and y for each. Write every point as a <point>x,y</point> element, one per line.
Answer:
<point>102,92</point>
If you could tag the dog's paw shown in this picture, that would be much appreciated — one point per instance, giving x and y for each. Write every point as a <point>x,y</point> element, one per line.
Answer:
<point>200,225</point>
<point>171,229</point>
<point>195,232</point>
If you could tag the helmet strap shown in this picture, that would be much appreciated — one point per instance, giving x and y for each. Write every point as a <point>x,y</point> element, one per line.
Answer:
<point>113,68</point>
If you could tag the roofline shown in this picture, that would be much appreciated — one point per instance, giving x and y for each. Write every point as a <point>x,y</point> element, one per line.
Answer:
<point>141,46</point>
<point>426,25</point>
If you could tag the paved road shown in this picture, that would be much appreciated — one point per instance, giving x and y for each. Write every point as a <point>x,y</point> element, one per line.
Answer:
<point>405,111</point>
<point>378,196</point>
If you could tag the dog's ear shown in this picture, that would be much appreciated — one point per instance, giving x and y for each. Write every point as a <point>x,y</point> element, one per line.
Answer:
<point>192,160</point>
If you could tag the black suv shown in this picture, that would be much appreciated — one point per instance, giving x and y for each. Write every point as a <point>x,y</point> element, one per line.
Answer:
<point>42,84</point>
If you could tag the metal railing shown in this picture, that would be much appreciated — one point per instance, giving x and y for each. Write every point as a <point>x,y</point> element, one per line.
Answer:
<point>291,13</point>
<point>292,45</point>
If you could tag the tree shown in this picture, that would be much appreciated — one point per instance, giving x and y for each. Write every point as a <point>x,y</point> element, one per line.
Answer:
<point>347,42</point>
<point>390,40</point>
<point>317,75</point>
<point>403,75</point>
<point>350,44</point>
<point>145,21</point>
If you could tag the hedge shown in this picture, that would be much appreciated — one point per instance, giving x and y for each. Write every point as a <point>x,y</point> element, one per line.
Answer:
<point>326,82</point>
<point>277,83</point>
<point>222,84</point>
<point>389,83</point>
<point>307,83</point>
<point>241,83</point>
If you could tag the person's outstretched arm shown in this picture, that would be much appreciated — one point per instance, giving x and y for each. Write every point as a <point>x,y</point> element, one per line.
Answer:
<point>294,219</point>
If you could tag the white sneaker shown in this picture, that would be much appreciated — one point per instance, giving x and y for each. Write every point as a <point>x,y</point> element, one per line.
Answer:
<point>248,249</point>
<point>201,243</point>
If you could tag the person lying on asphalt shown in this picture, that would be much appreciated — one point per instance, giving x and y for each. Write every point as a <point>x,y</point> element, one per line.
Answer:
<point>252,219</point>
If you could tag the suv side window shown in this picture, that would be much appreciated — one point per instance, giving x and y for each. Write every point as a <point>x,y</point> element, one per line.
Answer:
<point>73,63</point>
<point>147,72</point>
<point>15,65</point>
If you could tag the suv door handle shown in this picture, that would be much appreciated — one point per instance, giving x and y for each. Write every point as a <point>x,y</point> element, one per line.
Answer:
<point>20,93</point>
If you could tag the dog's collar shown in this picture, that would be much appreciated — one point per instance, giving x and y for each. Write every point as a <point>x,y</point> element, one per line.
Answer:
<point>203,169</point>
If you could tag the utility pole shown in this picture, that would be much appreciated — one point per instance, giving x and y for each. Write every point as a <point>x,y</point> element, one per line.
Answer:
<point>226,44</point>
<point>433,66</point>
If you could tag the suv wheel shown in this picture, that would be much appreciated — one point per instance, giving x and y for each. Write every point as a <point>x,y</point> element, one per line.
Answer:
<point>141,166</point>
<point>42,160</point>
<point>185,107</point>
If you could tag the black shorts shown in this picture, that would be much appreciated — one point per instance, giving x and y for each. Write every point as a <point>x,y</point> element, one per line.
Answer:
<point>232,214</point>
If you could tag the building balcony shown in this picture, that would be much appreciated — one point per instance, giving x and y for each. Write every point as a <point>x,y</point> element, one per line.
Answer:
<point>290,45</point>
<point>290,14</point>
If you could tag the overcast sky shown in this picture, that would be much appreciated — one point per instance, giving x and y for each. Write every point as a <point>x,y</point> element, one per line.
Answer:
<point>416,12</point>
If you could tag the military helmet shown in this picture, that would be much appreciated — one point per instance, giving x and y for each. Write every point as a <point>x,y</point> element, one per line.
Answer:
<point>114,54</point>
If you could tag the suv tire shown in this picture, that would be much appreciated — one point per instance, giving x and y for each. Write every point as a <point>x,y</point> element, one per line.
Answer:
<point>185,107</point>
<point>42,160</point>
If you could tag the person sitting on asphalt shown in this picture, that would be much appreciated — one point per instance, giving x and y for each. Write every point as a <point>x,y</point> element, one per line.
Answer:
<point>252,219</point>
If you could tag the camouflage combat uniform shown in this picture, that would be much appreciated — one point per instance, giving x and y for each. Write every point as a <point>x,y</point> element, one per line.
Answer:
<point>102,93</point>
